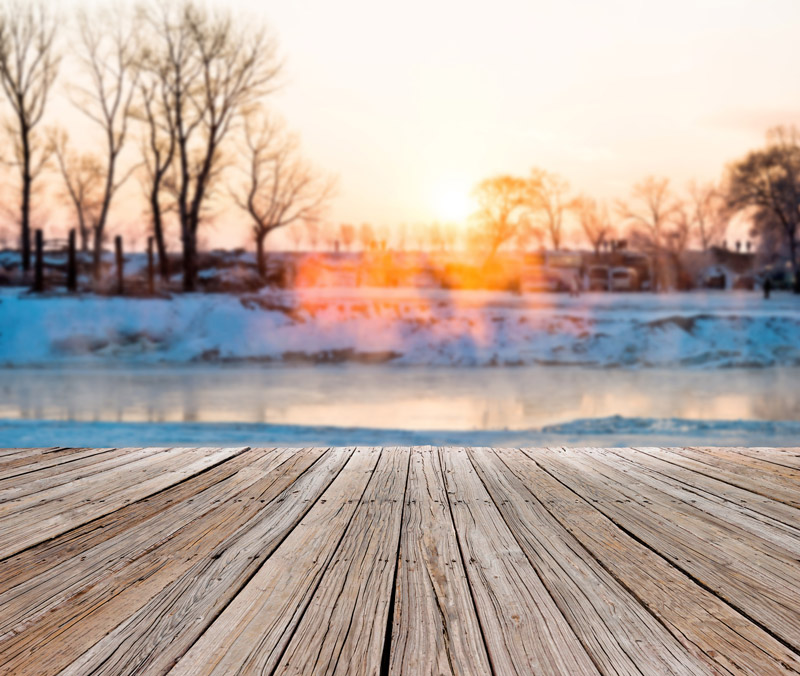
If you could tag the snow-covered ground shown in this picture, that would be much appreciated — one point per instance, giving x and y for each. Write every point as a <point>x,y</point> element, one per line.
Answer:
<point>601,369</point>
<point>405,326</point>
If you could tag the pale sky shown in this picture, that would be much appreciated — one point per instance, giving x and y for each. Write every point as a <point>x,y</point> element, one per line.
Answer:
<point>411,101</point>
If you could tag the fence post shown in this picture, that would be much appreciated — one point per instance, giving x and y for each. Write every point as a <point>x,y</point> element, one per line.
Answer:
<point>120,263</point>
<point>72,268</point>
<point>151,284</point>
<point>38,279</point>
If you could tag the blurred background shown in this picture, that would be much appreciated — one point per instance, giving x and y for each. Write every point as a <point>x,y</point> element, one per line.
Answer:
<point>307,223</point>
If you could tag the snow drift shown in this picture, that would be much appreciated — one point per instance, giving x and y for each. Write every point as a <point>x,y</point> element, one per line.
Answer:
<point>405,327</point>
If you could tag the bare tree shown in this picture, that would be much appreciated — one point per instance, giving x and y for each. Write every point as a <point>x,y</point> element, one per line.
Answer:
<point>28,67</point>
<point>502,202</point>
<point>108,54</point>
<point>548,201</point>
<point>83,175</point>
<point>595,222</point>
<point>651,213</point>
<point>279,187</point>
<point>158,148</point>
<point>214,69</point>
<point>767,182</point>
<point>709,215</point>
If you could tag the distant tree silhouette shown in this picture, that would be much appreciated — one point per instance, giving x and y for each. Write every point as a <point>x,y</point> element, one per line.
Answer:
<point>548,201</point>
<point>108,53</point>
<point>595,222</point>
<point>278,187</point>
<point>502,202</point>
<point>28,67</point>
<point>708,213</point>
<point>652,214</point>
<point>83,175</point>
<point>767,182</point>
<point>214,69</point>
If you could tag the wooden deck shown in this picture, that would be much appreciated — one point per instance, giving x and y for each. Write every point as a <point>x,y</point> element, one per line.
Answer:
<point>399,561</point>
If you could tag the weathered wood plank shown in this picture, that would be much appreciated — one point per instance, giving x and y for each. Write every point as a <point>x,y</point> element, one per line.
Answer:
<point>18,463</point>
<point>618,632</point>
<point>81,466</point>
<point>343,630</point>
<point>75,491</point>
<point>161,630</point>
<point>264,615</point>
<point>785,457</point>
<point>772,526</point>
<point>697,618</point>
<point>766,482</point>
<point>78,541</point>
<point>722,525</point>
<point>759,586</point>
<point>714,488</point>
<point>82,575</point>
<point>435,628</point>
<point>103,496</point>
<point>523,628</point>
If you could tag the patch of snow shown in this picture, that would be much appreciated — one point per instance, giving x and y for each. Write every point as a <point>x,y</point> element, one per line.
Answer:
<point>405,326</point>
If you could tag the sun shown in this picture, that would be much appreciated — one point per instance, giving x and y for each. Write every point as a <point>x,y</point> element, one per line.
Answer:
<point>453,203</point>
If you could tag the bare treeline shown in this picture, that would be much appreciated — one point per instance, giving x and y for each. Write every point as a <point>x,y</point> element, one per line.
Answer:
<point>182,85</point>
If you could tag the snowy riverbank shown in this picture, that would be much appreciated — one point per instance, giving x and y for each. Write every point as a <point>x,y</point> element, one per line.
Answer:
<point>405,326</point>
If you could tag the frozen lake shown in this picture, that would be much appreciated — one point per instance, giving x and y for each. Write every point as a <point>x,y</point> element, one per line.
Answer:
<point>387,404</point>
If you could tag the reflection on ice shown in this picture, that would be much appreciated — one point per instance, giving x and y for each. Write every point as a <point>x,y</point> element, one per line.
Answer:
<point>396,398</point>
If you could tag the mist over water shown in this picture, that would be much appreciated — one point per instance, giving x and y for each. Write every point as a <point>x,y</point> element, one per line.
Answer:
<point>386,397</point>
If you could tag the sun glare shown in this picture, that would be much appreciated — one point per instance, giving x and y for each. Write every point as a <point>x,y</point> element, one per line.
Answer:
<point>453,203</point>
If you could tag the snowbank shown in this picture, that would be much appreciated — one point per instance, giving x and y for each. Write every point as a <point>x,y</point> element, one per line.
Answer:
<point>405,326</point>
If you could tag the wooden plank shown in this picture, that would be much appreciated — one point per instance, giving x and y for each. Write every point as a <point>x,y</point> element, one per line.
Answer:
<point>162,627</point>
<point>764,482</point>
<point>771,526</point>
<point>37,482</point>
<point>60,634</point>
<point>760,587</point>
<point>697,618</point>
<point>23,566</point>
<point>82,575</point>
<point>619,633</point>
<point>16,533</point>
<point>75,491</point>
<point>17,464</point>
<point>264,615</point>
<point>523,628</point>
<point>712,487</point>
<point>785,457</point>
<point>723,526</point>
<point>22,452</point>
<point>343,630</point>
<point>435,629</point>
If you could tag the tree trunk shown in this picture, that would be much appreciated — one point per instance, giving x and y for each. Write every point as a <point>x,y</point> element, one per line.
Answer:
<point>72,265</point>
<point>97,254</point>
<point>158,232</point>
<point>189,259</point>
<point>27,180</point>
<point>260,260</point>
